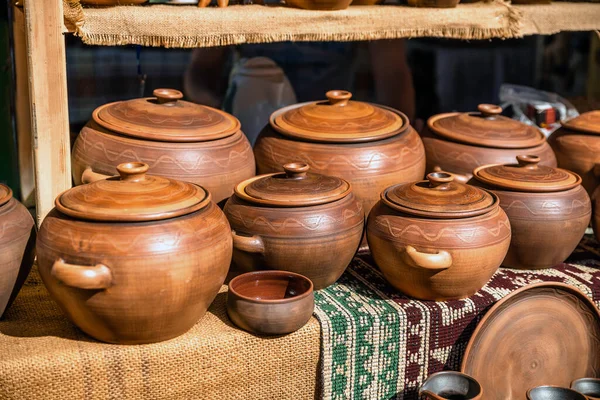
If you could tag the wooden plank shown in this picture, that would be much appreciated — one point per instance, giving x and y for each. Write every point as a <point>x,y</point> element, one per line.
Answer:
<point>46,66</point>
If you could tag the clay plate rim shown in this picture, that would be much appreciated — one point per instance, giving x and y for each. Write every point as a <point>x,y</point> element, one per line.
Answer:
<point>277,273</point>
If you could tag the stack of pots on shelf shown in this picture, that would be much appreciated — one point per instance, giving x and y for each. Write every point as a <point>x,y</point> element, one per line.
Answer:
<point>460,142</point>
<point>178,139</point>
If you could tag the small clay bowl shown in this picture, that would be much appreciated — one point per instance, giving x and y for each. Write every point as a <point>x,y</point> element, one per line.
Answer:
<point>553,393</point>
<point>589,387</point>
<point>270,302</point>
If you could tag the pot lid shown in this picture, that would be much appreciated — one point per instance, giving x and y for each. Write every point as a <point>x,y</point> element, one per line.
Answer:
<point>338,120</point>
<point>293,188</point>
<point>167,118</point>
<point>132,196</point>
<point>440,196</point>
<point>527,176</point>
<point>588,122</point>
<point>486,128</point>
<point>5,194</point>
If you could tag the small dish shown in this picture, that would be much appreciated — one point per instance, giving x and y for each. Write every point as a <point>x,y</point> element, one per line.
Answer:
<point>590,387</point>
<point>270,302</point>
<point>451,385</point>
<point>553,393</point>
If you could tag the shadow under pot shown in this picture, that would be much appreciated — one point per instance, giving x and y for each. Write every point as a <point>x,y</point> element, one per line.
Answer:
<point>577,147</point>
<point>177,139</point>
<point>589,387</point>
<point>136,258</point>
<point>17,246</point>
<point>460,142</point>
<point>548,210</point>
<point>438,239</point>
<point>296,221</point>
<point>451,385</point>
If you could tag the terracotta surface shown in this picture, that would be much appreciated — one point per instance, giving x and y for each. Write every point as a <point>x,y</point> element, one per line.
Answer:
<point>450,385</point>
<point>112,2</point>
<point>596,212</point>
<point>17,244</point>
<point>178,139</point>
<point>548,210</point>
<point>553,393</point>
<point>590,387</point>
<point>428,255</point>
<point>270,302</point>
<point>144,277</point>
<point>319,4</point>
<point>433,3</point>
<point>541,334</point>
<point>577,148</point>
<point>309,224</point>
<point>460,142</point>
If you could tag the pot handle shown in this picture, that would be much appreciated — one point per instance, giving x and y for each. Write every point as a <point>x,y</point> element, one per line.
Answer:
<point>249,244</point>
<point>433,261</point>
<point>89,176</point>
<point>457,177</point>
<point>82,277</point>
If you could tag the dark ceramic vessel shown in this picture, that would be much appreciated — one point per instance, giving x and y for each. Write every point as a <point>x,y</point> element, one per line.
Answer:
<point>451,385</point>
<point>589,387</point>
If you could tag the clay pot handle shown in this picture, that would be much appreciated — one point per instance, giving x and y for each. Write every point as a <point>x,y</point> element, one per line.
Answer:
<point>528,161</point>
<point>439,180</point>
<point>167,96</point>
<point>433,261</point>
<point>133,171</point>
<point>489,110</point>
<point>338,97</point>
<point>89,176</point>
<point>248,244</point>
<point>430,395</point>
<point>296,170</point>
<point>82,277</point>
<point>464,178</point>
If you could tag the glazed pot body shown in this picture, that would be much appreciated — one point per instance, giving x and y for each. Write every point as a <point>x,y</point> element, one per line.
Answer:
<point>217,165</point>
<point>579,153</point>
<point>437,259</point>
<point>315,241</point>
<point>370,167</point>
<point>163,274</point>
<point>546,227</point>
<point>462,159</point>
<point>17,245</point>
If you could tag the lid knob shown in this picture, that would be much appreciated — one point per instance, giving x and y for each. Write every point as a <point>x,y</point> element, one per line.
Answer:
<point>489,110</point>
<point>296,170</point>
<point>167,96</point>
<point>133,171</point>
<point>338,97</point>
<point>439,180</point>
<point>528,161</point>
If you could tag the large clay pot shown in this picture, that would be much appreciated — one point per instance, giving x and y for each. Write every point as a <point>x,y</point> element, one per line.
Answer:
<point>460,142</point>
<point>17,245</point>
<point>596,211</point>
<point>176,138</point>
<point>548,210</point>
<point>296,221</point>
<point>372,147</point>
<point>135,259</point>
<point>577,148</point>
<point>438,239</point>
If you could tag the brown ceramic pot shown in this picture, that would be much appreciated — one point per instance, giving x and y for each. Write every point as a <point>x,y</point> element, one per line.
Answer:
<point>178,139</point>
<point>460,142</point>
<point>577,147</point>
<point>135,259</point>
<point>17,244</point>
<point>438,239</point>
<point>372,147</point>
<point>270,302</point>
<point>548,210</point>
<point>596,213</point>
<point>296,221</point>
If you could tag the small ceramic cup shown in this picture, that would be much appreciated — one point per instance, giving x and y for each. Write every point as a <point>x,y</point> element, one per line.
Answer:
<point>590,387</point>
<point>270,302</point>
<point>553,393</point>
<point>451,385</point>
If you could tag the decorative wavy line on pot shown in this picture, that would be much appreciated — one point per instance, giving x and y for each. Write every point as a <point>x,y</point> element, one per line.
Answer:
<point>135,115</point>
<point>468,236</point>
<point>481,133</point>
<point>200,160</point>
<point>553,206</point>
<point>368,123</point>
<point>149,198</point>
<point>462,157</point>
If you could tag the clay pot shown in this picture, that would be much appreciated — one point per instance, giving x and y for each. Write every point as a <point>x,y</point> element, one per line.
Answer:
<point>178,139</point>
<point>135,259</point>
<point>596,215</point>
<point>589,387</point>
<point>553,393</point>
<point>296,221</point>
<point>577,148</point>
<point>319,4</point>
<point>17,245</point>
<point>460,142</point>
<point>270,302</point>
<point>548,210</point>
<point>450,385</point>
<point>438,239</point>
<point>372,147</point>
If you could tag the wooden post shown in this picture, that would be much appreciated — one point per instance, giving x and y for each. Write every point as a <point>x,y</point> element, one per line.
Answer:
<point>46,67</point>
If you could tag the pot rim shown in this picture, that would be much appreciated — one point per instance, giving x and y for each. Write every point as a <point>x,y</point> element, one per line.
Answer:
<point>9,194</point>
<point>275,273</point>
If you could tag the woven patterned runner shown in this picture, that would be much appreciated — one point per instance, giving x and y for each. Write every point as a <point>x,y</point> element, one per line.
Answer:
<point>379,344</point>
